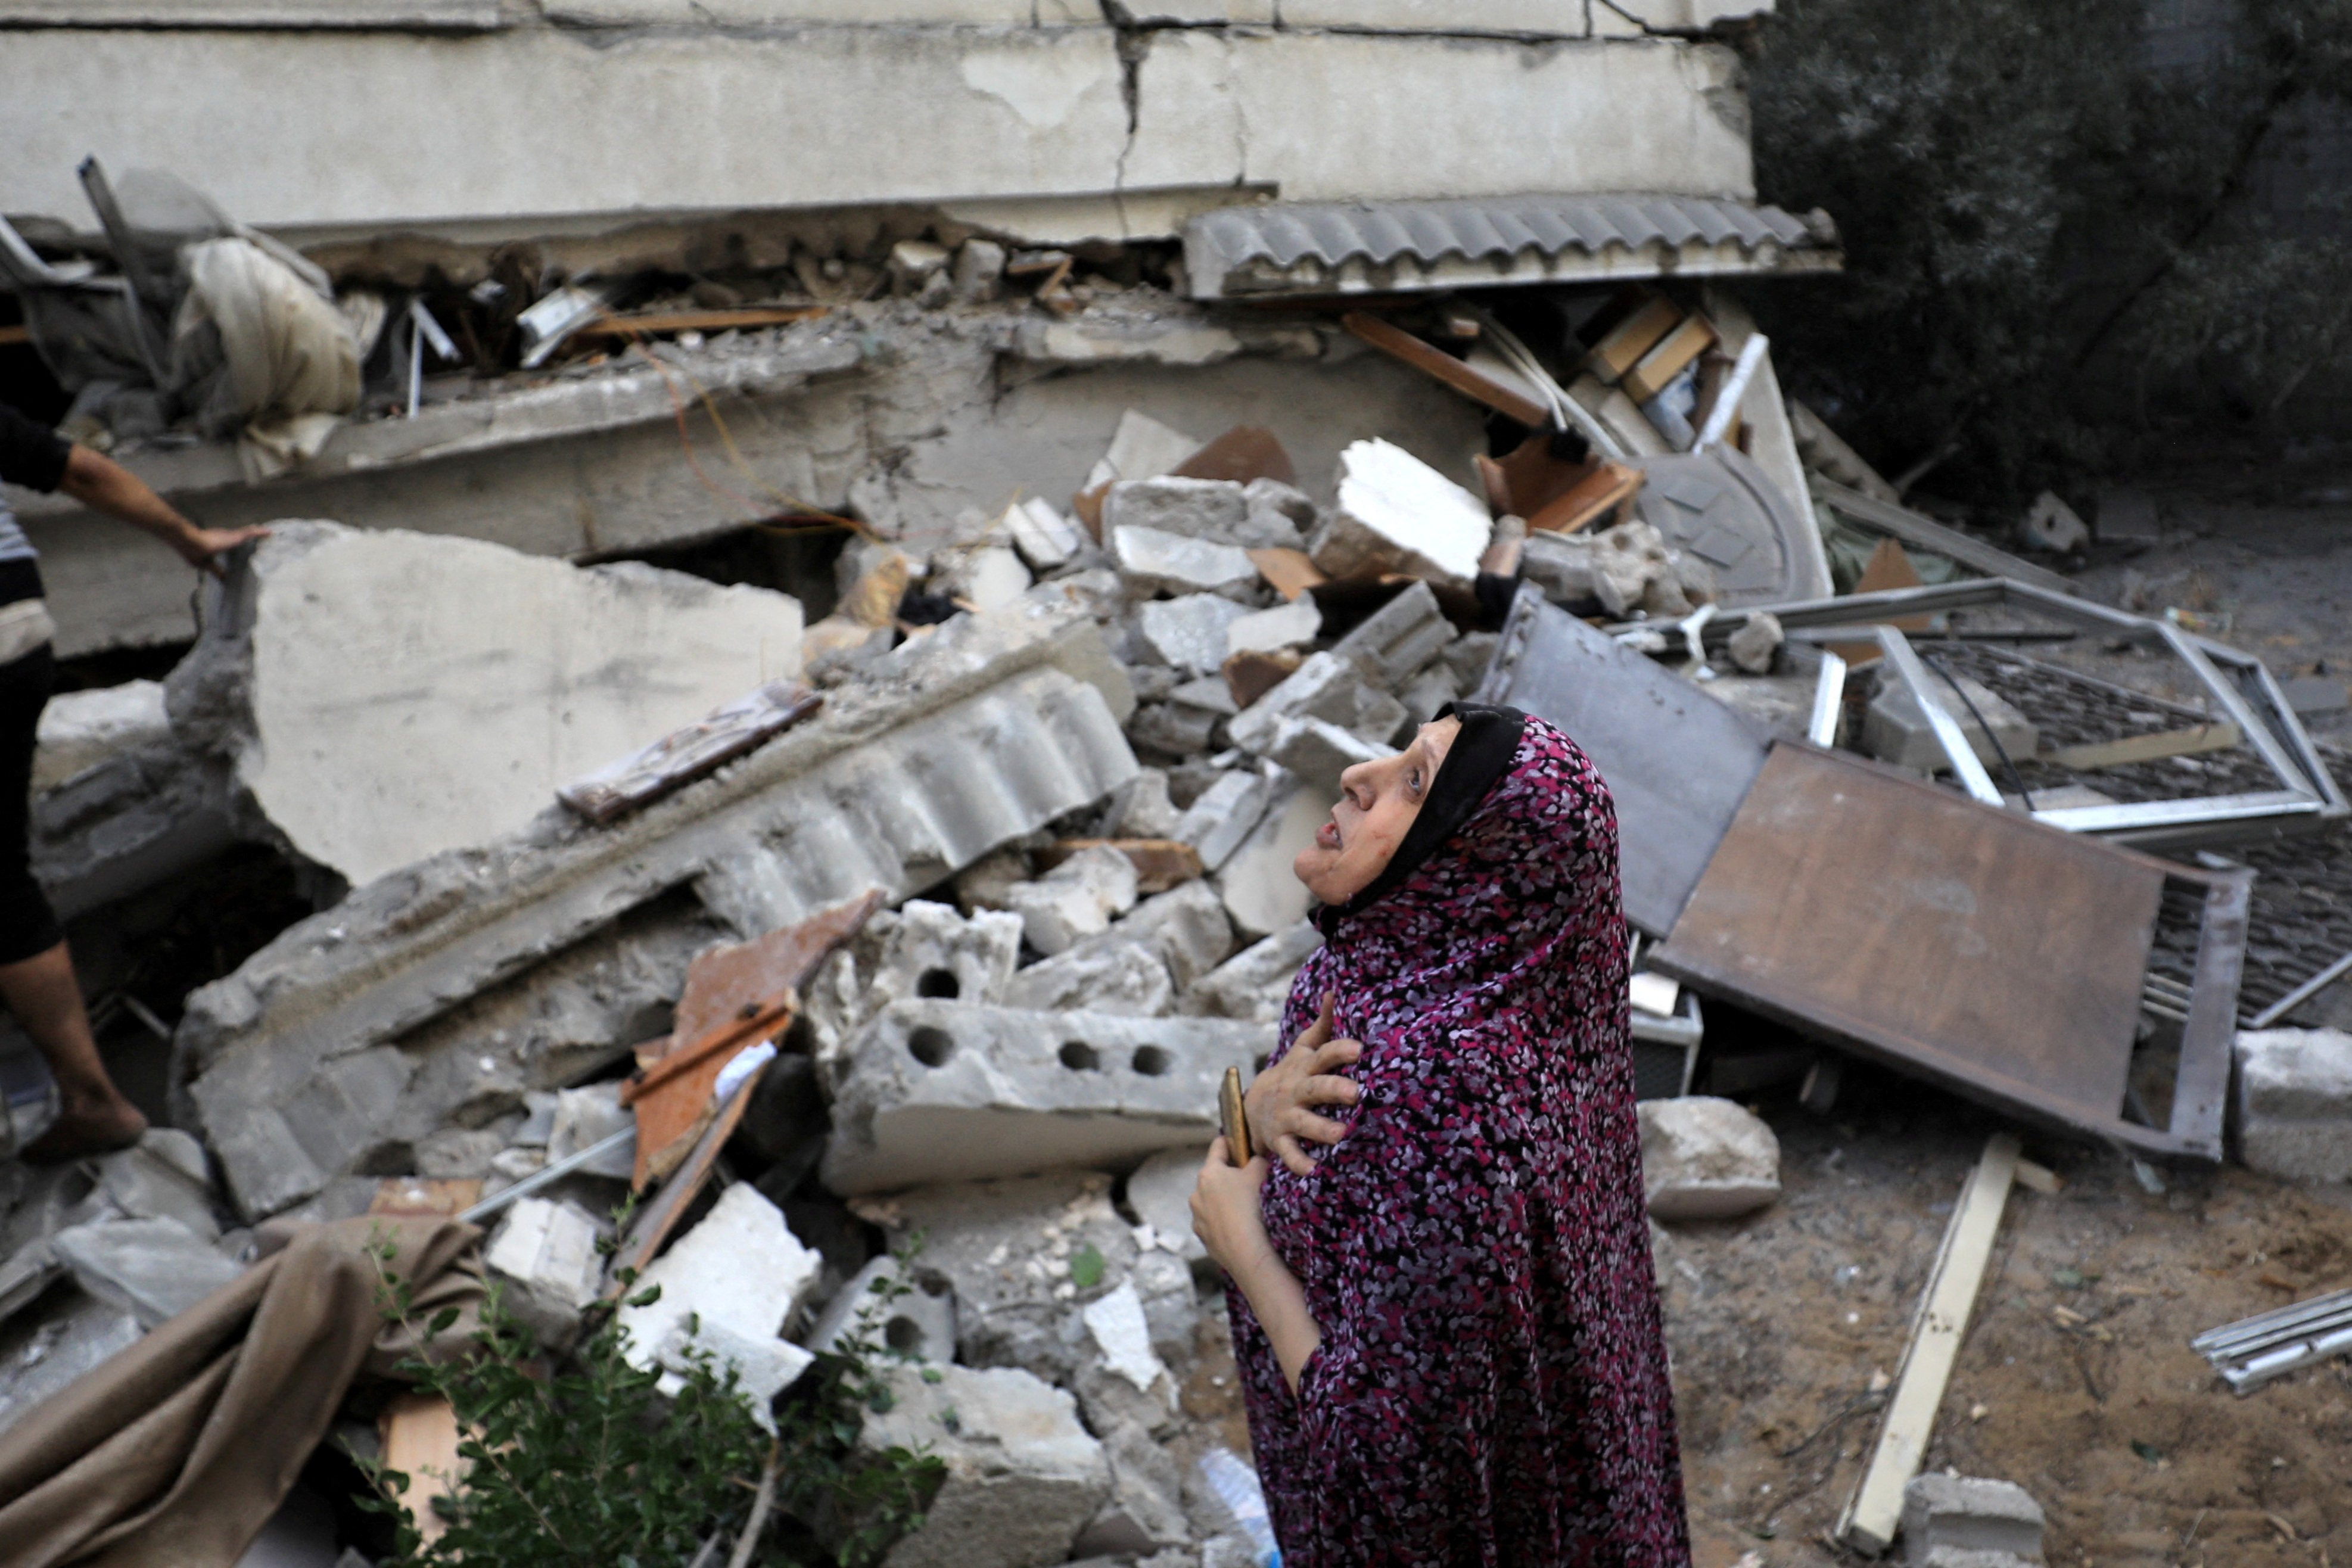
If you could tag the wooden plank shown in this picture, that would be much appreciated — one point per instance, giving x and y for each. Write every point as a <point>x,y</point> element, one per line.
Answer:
<point>1398,344</point>
<point>426,1197</point>
<point>1670,358</point>
<point>655,323</point>
<point>1926,534</point>
<point>1624,344</point>
<point>2131,749</point>
<point>1609,487</point>
<point>1875,1509</point>
<point>1290,571</point>
<point>1970,945</point>
<point>420,1440</point>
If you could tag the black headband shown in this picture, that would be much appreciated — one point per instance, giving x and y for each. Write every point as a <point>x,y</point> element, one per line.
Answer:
<point>1481,754</point>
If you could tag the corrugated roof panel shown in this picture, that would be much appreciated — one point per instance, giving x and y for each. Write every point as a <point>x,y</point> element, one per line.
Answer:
<point>1355,246</point>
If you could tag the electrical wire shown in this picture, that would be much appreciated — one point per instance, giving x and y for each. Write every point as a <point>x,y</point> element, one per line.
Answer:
<point>1932,662</point>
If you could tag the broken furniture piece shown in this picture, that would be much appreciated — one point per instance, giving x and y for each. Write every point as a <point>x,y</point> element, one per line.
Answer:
<point>2300,796</point>
<point>1975,947</point>
<point>2254,1351</point>
<point>1677,761</point>
<point>1875,1512</point>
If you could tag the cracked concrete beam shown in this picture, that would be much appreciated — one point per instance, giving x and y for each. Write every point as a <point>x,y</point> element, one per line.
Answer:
<point>993,726</point>
<point>409,15</point>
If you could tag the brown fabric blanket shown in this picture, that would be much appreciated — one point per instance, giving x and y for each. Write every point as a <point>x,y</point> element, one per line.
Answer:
<point>175,1453</point>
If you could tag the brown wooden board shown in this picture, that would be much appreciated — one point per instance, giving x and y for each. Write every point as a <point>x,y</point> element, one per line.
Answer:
<point>1999,956</point>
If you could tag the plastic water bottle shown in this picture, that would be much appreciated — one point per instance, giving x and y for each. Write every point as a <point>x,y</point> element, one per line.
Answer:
<point>1235,1484</point>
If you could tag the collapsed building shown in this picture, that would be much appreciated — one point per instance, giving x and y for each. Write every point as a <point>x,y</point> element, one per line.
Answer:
<point>1068,490</point>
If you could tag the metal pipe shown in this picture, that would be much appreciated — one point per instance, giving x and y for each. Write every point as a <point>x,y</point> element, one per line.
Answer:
<point>2303,993</point>
<point>626,1138</point>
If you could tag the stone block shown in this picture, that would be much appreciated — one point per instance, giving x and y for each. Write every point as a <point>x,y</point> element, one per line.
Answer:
<point>1280,516</point>
<point>1616,568</point>
<point>1024,1258</point>
<point>1104,973</point>
<point>947,1091</point>
<point>1396,513</point>
<point>1209,694</point>
<point>1293,624</point>
<point>1172,728</point>
<point>1152,560</point>
<point>546,1251</point>
<point>1895,730</point>
<point>1423,695</point>
<point>1211,509</point>
<point>1253,984</point>
<point>1944,1514</point>
<point>2294,1103</point>
<point>1160,1191</point>
<point>1145,1511</point>
<point>1074,899</point>
<point>1755,644</point>
<point>152,1269</point>
<point>1703,1158</point>
<point>1189,633</point>
<point>920,949</point>
<point>1022,1476</point>
<point>415,618</point>
<point>1317,751</point>
<point>1328,686</point>
<point>80,730</point>
<point>743,1275</point>
<point>1260,891</point>
<point>921,1324</point>
<point>1142,808</point>
<point>1399,638</point>
<point>1223,814</point>
<point>1045,538</point>
<point>586,1117</point>
<point>163,1177</point>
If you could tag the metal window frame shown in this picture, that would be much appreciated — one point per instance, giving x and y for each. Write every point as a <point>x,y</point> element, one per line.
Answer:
<point>2248,694</point>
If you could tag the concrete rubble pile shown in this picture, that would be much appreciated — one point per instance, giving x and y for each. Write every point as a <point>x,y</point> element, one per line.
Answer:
<point>1048,774</point>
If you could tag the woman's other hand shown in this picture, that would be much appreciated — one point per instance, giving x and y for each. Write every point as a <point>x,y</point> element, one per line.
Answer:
<point>1225,1214</point>
<point>1278,1098</point>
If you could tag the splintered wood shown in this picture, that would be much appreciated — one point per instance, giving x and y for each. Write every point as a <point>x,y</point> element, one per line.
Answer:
<point>736,997</point>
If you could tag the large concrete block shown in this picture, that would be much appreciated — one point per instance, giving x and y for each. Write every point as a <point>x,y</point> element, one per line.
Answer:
<point>920,949</point>
<point>1145,1511</point>
<point>1396,513</point>
<point>978,735</point>
<point>919,1324</point>
<point>1967,1515</point>
<point>387,696</point>
<point>1151,558</point>
<point>2294,1103</point>
<point>1022,1476</point>
<point>1214,509</point>
<point>1328,686</point>
<point>1026,1257</point>
<point>1703,1158</point>
<point>1185,927</point>
<point>1293,624</point>
<point>1895,730</point>
<point>1318,752</point>
<point>1223,816</point>
<point>152,1269</point>
<point>945,1091</point>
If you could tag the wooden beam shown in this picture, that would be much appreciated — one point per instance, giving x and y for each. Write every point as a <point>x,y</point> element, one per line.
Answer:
<point>2197,738</point>
<point>655,322</point>
<point>1875,1510</point>
<point>1926,534</point>
<point>1398,344</point>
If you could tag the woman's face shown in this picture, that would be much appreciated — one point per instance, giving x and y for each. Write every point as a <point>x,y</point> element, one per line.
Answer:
<point>1378,802</point>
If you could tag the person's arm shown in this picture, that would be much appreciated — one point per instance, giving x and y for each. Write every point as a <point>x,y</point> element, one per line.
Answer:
<point>101,484</point>
<point>1227,1219</point>
<point>1276,1103</point>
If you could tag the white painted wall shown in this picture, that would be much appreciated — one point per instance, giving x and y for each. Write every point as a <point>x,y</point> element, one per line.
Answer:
<point>323,132</point>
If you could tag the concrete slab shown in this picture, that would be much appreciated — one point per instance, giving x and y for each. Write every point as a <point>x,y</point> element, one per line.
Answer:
<point>466,683</point>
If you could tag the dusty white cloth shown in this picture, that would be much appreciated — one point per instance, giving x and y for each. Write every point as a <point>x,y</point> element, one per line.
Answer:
<point>292,358</point>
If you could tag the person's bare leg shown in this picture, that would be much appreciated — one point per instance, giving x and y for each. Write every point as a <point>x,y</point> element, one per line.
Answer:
<point>45,998</point>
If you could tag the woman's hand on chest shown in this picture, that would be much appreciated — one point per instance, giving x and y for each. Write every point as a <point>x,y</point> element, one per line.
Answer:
<point>1277,1102</point>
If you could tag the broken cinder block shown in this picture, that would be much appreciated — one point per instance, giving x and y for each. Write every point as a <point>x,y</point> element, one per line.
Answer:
<point>1967,1521</point>
<point>730,1286</point>
<point>1319,751</point>
<point>945,1091</point>
<point>546,1251</point>
<point>1399,638</point>
<point>2294,1103</point>
<point>1191,633</point>
<point>1329,686</point>
<point>1703,1158</point>
<point>1022,1476</point>
<point>919,1323</point>
<point>1076,899</point>
<point>1254,983</point>
<point>1396,513</point>
<point>1151,558</point>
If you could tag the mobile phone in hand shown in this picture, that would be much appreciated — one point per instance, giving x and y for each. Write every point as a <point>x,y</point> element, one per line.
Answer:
<point>1236,1124</point>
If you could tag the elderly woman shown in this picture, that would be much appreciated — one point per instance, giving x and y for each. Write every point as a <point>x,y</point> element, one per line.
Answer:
<point>1443,1312</point>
